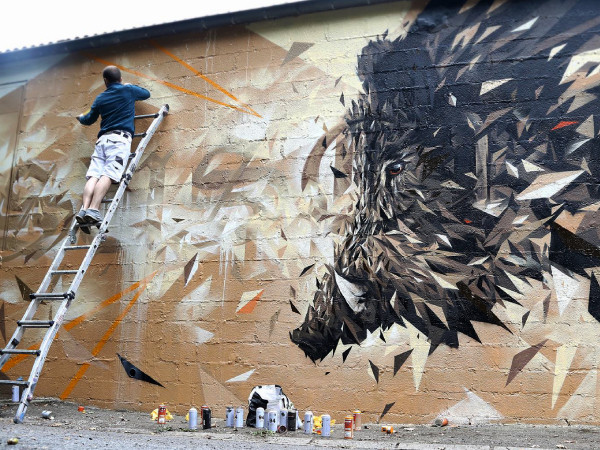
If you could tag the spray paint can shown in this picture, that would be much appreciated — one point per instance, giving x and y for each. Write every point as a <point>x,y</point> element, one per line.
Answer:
<point>239,417</point>
<point>260,417</point>
<point>162,414</point>
<point>357,415</point>
<point>193,419</point>
<point>283,418</point>
<point>349,427</point>
<point>326,425</point>
<point>206,418</point>
<point>15,393</point>
<point>272,420</point>
<point>308,422</point>
<point>229,417</point>
<point>291,420</point>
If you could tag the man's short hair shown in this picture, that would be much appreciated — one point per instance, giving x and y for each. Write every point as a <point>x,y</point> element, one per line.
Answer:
<point>112,74</point>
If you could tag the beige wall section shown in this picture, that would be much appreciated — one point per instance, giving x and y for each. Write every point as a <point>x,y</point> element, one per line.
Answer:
<point>194,283</point>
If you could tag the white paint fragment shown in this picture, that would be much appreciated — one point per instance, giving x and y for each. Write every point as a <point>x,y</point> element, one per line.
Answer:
<point>202,335</point>
<point>512,170</point>
<point>242,377</point>
<point>547,185</point>
<point>555,50</point>
<point>566,289</point>
<point>451,100</point>
<point>488,86</point>
<point>444,239</point>
<point>576,145</point>
<point>526,26</point>
<point>520,220</point>
<point>530,167</point>
<point>470,411</point>
<point>351,292</point>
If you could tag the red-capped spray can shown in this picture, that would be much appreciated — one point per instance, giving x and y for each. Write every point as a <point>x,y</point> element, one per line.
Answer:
<point>357,415</point>
<point>349,427</point>
<point>206,418</point>
<point>162,415</point>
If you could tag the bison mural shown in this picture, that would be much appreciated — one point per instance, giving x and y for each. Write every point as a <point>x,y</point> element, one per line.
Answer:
<point>475,155</point>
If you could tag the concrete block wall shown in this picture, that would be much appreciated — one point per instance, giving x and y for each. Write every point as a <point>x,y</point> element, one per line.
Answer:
<point>389,208</point>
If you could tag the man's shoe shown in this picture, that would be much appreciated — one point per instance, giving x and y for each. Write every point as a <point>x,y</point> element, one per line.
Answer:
<point>80,216</point>
<point>93,216</point>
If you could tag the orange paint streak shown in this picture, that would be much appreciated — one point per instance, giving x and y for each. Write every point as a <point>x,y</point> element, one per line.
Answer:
<point>100,345</point>
<point>205,78</point>
<point>109,301</point>
<point>12,362</point>
<point>249,307</point>
<point>76,321</point>
<point>173,86</point>
<point>563,124</point>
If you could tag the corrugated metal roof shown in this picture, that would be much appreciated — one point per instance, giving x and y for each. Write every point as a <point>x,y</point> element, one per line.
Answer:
<point>239,15</point>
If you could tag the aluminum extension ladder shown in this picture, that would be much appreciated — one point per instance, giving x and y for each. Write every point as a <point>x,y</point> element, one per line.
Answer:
<point>67,297</point>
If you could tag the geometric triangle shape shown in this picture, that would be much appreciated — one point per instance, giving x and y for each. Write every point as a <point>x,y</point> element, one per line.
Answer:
<point>190,269</point>
<point>374,371</point>
<point>521,359</point>
<point>386,410</point>
<point>295,50</point>
<point>243,377</point>
<point>564,358</point>
<point>594,298</point>
<point>566,288</point>
<point>248,301</point>
<point>587,128</point>
<point>133,372</point>
<point>400,359</point>
<point>25,290</point>
<point>471,411</point>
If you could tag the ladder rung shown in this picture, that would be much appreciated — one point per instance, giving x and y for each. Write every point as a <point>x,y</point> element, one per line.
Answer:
<point>107,200</point>
<point>139,135</point>
<point>77,247</point>
<point>35,323</point>
<point>15,351</point>
<point>144,116</point>
<point>64,272</point>
<point>51,295</point>
<point>15,382</point>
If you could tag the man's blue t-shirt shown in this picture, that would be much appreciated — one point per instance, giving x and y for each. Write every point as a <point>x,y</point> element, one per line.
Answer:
<point>116,106</point>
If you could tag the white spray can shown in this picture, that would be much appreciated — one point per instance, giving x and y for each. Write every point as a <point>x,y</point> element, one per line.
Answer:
<point>193,419</point>
<point>15,393</point>
<point>272,420</point>
<point>239,417</point>
<point>260,417</point>
<point>283,418</point>
<point>229,417</point>
<point>326,425</point>
<point>308,422</point>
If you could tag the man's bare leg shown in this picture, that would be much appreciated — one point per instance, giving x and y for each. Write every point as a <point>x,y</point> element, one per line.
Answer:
<point>100,190</point>
<point>88,192</point>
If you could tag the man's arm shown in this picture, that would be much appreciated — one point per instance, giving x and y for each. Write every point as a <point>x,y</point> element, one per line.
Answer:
<point>139,93</point>
<point>89,117</point>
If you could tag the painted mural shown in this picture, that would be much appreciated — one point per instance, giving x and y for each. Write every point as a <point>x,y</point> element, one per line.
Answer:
<point>390,208</point>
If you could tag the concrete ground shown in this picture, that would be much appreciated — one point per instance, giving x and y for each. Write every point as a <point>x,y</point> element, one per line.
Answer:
<point>99,428</point>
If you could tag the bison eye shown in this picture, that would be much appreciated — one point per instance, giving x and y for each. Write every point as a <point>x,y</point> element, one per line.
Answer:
<point>396,168</point>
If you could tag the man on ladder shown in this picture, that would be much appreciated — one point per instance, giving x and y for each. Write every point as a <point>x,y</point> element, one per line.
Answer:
<point>116,107</point>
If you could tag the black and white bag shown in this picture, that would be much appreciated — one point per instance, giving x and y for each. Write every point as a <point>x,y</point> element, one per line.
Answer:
<point>268,396</point>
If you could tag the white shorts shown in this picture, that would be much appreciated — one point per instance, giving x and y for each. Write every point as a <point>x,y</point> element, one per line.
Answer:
<point>110,157</point>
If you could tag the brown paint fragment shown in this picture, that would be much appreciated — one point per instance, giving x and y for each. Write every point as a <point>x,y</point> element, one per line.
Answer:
<point>521,359</point>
